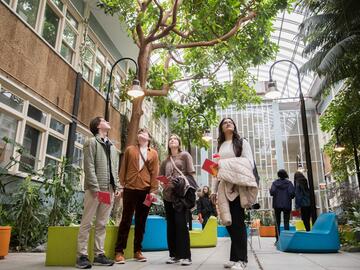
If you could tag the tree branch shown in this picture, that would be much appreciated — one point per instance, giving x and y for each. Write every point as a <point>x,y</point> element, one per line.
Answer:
<point>182,34</point>
<point>175,59</point>
<point>241,20</point>
<point>157,26</point>
<point>213,42</point>
<point>169,28</point>
<point>133,33</point>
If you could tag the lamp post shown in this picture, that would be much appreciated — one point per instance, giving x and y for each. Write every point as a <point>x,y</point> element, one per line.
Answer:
<point>206,135</point>
<point>134,91</point>
<point>272,88</point>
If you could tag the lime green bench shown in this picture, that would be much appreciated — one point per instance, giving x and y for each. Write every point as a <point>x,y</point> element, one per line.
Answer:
<point>62,244</point>
<point>206,237</point>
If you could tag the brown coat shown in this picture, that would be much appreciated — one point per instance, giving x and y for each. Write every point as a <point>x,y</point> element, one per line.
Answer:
<point>133,178</point>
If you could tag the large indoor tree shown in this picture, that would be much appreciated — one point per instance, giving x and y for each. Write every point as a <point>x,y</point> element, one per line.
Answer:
<point>192,41</point>
<point>332,40</point>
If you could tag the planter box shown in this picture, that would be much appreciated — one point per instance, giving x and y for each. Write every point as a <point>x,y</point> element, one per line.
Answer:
<point>222,231</point>
<point>267,231</point>
<point>5,232</point>
<point>155,234</point>
<point>62,244</point>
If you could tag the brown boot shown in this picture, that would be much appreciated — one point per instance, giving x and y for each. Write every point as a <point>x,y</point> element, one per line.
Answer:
<point>139,257</point>
<point>119,258</point>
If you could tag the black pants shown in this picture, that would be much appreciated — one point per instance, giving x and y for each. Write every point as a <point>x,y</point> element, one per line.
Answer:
<point>305,216</point>
<point>133,200</point>
<point>177,232</point>
<point>286,213</point>
<point>205,220</point>
<point>237,232</point>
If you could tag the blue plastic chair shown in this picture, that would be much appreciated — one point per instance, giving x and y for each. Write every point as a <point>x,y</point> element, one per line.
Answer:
<point>323,238</point>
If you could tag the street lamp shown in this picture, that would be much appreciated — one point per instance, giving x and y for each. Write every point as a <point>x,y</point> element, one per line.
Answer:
<point>134,91</point>
<point>271,93</point>
<point>206,135</point>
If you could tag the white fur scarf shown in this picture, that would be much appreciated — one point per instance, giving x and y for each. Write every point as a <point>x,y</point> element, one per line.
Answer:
<point>236,178</point>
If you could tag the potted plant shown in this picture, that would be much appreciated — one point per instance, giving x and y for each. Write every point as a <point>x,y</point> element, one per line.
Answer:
<point>267,224</point>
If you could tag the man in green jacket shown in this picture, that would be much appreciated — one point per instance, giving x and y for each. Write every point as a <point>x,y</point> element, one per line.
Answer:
<point>101,164</point>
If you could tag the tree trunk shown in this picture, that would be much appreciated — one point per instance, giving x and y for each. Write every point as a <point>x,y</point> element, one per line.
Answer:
<point>137,112</point>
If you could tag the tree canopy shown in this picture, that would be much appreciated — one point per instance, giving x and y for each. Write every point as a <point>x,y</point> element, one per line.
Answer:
<point>193,40</point>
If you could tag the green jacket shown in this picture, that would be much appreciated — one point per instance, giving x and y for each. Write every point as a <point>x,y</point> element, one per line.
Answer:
<point>96,167</point>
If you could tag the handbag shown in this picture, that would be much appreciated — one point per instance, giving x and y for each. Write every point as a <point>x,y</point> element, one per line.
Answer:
<point>188,200</point>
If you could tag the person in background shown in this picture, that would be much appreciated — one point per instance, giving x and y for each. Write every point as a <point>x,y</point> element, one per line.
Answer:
<point>138,175</point>
<point>231,145</point>
<point>205,207</point>
<point>101,163</point>
<point>177,231</point>
<point>283,192</point>
<point>302,198</point>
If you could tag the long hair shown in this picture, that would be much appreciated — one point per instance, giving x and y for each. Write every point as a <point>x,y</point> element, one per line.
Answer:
<point>209,191</point>
<point>301,181</point>
<point>236,140</point>
<point>178,139</point>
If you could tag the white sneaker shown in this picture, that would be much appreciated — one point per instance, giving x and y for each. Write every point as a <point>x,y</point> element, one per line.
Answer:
<point>185,262</point>
<point>229,264</point>
<point>239,266</point>
<point>172,260</point>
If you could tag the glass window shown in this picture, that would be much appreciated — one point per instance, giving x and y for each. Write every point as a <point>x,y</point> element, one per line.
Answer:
<point>80,138</point>
<point>72,20</point>
<point>11,100</point>
<point>36,114</point>
<point>86,73</point>
<point>50,27</point>
<point>51,166</point>
<point>69,36</point>
<point>100,56</point>
<point>116,102</point>
<point>54,147</point>
<point>66,52</point>
<point>57,126</point>
<point>90,43</point>
<point>98,76</point>
<point>28,9</point>
<point>69,43</point>
<point>88,57</point>
<point>8,127</point>
<point>78,157</point>
<point>59,4</point>
<point>31,145</point>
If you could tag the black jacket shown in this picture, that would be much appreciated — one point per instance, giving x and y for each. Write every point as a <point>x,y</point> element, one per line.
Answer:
<point>283,192</point>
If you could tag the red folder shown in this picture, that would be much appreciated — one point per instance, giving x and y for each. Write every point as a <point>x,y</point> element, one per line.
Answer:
<point>149,200</point>
<point>163,179</point>
<point>104,197</point>
<point>210,166</point>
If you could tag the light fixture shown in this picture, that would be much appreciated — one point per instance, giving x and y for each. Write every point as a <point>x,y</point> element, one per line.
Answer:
<point>207,135</point>
<point>271,91</point>
<point>339,147</point>
<point>135,90</point>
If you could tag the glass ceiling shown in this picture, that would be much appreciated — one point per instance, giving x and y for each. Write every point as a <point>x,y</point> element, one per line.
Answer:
<point>290,48</point>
